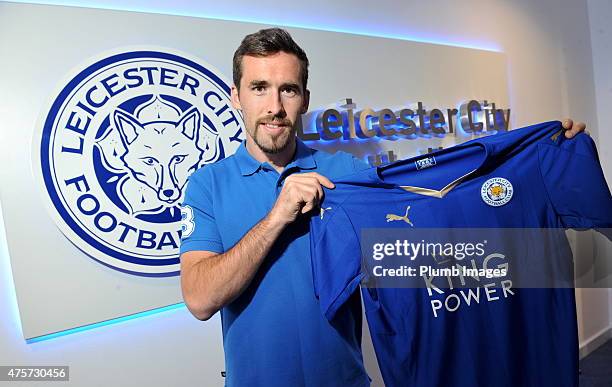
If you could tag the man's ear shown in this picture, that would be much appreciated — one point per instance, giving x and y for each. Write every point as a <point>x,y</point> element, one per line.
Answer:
<point>235,98</point>
<point>306,101</point>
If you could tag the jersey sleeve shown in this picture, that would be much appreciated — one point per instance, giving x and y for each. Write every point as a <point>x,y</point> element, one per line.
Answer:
<point>575,182</point>
<point>199,230</point>
<point>335,259</point>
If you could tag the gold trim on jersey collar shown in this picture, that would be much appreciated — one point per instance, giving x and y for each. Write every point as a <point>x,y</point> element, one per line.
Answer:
<point>435,193</point>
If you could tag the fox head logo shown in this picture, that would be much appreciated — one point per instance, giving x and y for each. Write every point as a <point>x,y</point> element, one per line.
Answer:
<point>497,190</point>
<point>161,154</point>
<point>154,150</point>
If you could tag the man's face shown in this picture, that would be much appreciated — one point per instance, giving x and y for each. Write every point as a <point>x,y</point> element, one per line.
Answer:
<point>271,98</point>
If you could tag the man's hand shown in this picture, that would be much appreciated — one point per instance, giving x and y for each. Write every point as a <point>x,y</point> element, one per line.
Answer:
<point>301,193</point>
<point>210,281</point>
<point>572,129</point>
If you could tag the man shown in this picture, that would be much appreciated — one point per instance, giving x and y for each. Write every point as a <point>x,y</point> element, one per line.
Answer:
<point>249,254</point>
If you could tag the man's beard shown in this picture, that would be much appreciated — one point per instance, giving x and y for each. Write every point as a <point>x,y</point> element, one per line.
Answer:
<point>274,144</point>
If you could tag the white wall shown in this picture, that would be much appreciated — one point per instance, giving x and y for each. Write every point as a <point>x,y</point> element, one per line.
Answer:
<point>599,13</point>
<point>552,74</point>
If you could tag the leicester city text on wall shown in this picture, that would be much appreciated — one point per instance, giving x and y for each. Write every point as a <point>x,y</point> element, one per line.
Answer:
<point>117,146</point>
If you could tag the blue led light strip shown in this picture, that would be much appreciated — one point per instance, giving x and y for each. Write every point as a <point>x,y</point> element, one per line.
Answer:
<point>260,20</point>
<point>104,323</point>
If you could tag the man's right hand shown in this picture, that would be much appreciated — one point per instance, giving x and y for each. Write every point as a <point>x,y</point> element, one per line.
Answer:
<point>302,192</point>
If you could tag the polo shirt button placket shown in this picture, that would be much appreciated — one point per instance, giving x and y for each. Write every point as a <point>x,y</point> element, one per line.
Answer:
<point>281,181</point>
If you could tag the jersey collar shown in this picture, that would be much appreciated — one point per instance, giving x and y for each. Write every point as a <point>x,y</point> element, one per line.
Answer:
<point>376,174</point>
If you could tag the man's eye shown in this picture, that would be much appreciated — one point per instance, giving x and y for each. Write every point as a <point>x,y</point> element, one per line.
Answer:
<point>290,92</point>
<point>259,89</point>
<point>149,161</point>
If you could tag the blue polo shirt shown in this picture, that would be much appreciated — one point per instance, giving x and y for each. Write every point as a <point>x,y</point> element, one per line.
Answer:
<point>273,333</point>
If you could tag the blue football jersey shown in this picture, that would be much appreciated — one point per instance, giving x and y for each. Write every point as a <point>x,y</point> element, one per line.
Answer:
<point>492,335</point>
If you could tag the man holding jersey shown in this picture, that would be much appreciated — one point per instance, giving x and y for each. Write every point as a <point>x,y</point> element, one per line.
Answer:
<point>249,252</point>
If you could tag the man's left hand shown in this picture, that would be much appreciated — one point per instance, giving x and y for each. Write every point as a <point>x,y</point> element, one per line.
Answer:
<point>573,128</point>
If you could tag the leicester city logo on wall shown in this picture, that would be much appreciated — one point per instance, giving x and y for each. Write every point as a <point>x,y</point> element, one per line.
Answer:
<point>117,147</point>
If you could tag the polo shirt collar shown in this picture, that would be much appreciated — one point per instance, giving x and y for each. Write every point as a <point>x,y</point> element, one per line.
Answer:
<point>303,159</point>
<point>248,165</point>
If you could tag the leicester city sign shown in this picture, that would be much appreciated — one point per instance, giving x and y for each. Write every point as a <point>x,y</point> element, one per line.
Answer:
<point>116,148</point>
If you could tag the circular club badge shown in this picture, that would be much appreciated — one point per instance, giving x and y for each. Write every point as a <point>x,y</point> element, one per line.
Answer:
<point>496,191</point>
<point>117,146</point>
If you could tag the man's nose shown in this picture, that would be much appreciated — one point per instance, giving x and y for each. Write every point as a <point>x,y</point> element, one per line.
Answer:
<point>275,105</point>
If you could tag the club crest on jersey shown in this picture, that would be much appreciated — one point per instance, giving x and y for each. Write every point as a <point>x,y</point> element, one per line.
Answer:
<point>117,146</point>
<point>496,191</point>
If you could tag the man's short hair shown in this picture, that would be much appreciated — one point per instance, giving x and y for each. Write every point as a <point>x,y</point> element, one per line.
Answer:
<point>268,42</point>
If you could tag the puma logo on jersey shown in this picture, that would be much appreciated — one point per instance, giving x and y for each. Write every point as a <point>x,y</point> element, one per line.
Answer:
<point>323,211</point>
<point>392,217</point>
